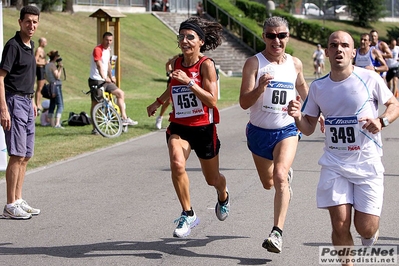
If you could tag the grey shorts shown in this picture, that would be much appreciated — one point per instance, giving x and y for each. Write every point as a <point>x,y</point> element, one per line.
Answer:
<point>20,139</point>
<point>96,93</point>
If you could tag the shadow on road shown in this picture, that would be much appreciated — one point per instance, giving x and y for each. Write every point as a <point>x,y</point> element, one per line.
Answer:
<point>148,250</point>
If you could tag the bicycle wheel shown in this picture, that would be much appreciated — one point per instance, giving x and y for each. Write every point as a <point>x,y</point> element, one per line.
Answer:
<point>106,120</point>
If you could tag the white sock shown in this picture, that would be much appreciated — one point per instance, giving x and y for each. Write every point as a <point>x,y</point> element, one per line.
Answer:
<point>368,242</point>
<point>18,201</point>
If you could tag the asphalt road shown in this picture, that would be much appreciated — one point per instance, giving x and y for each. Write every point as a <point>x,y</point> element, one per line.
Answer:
<point>116,206</point>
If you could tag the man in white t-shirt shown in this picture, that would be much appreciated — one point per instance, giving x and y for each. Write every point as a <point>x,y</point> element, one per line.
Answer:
<point>393,65</point>
<point>318,61</point>
<point>101,75</point>
<point>351,168</point>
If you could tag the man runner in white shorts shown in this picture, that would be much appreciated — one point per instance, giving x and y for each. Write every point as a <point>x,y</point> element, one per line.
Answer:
<point>351,168</point>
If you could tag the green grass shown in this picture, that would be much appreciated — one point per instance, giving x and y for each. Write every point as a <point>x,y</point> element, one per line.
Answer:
<point>146,44</point>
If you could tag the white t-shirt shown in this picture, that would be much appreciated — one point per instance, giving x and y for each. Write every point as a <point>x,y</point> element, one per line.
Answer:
<point>102,54</point>
<point>347,146</point>
<point>319,55</point>
<point>270,110</point>
<point>393,62</point>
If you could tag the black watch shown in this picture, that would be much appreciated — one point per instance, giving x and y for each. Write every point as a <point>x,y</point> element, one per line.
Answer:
<point>384,121</point>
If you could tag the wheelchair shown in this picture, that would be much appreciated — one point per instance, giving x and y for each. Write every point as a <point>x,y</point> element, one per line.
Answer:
<point>106,115</point>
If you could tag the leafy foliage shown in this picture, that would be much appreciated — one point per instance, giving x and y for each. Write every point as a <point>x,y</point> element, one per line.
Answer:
<point>393,32</point>
<point>365,11</point>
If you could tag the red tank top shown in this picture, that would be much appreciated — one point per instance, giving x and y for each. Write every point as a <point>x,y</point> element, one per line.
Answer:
<point>187,108</point>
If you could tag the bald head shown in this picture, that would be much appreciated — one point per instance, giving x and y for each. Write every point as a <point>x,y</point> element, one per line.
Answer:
<point>340,52</point>
<point>342,36</point>
<point>42,41</point>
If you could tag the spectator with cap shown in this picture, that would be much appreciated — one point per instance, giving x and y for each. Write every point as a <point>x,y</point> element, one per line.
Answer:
<point>318,61</point>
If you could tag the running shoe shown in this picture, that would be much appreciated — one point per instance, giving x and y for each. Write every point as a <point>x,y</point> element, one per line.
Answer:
<point>25,206</point>
<point>368,242</point>
<point>184,224</point>
<point>16,212</point>
<point>290,178</point>
<point>274,242</point>
<point>158,122</point>
<point>59,126</point>
<point>129,122</point>
<point>222,211</point>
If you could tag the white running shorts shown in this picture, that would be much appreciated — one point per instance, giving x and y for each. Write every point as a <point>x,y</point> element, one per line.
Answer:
<point>364,193</point>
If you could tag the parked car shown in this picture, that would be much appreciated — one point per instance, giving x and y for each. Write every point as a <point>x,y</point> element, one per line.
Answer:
<point>312,9</point>
<point>339,9</point>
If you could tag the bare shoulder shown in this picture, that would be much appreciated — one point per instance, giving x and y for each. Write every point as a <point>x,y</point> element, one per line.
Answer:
<point>208,63</point>
<point>251,63</point>
<point>297,63</point>
<point>383,46</point>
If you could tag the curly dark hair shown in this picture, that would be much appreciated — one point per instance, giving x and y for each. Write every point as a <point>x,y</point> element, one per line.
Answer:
<point>212,30</point>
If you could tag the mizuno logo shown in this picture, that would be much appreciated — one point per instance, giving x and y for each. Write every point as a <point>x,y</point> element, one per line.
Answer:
<point>281,85</point>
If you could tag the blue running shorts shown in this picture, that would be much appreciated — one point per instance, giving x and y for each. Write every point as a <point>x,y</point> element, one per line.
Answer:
<point>262,141</point>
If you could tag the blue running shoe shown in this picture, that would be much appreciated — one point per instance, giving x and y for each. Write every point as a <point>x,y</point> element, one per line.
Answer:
<point>222,211</point>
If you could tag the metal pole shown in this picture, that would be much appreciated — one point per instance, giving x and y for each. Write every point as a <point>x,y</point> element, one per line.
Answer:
<point>393,7</point>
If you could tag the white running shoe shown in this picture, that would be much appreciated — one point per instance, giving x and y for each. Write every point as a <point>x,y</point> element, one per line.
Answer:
<point>158,122</point>
<point>15,212</point>
<point>184,224</point>
<point>129,122</point>
<point>274,243</point>
<point>25,206</point>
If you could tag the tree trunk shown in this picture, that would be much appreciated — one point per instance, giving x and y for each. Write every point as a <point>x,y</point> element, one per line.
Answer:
<point>20,4</point>
<point>69,6</point>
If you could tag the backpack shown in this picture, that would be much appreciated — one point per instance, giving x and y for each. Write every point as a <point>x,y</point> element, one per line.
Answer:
<point>81,119</point>
<point>48,90</point>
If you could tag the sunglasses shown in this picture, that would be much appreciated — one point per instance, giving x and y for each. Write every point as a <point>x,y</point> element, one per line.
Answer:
<point>272,36</point>
<point>189,37</point>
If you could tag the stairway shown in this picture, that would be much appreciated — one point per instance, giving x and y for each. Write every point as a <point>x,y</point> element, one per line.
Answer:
<point>230,56</point>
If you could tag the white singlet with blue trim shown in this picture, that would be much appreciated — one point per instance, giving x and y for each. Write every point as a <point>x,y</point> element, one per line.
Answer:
<point>363,60</point>
<point>343,103</point>
<point>270,110</point>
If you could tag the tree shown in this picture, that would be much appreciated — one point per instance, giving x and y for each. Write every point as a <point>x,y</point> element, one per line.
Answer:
<point>21,3</point>
<point>68,6</point>
<point>365,11</point>
<point>48,5</point>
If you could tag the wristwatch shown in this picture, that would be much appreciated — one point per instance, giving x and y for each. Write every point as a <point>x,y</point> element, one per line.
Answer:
<point>384,121</point>
<point>191,83</point>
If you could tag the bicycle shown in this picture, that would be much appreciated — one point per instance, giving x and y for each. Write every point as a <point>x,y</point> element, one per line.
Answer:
<point>106,115</point>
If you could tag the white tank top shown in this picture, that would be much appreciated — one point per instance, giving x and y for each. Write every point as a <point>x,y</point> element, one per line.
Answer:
<point>270,110</point>
<point>365,59</point>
